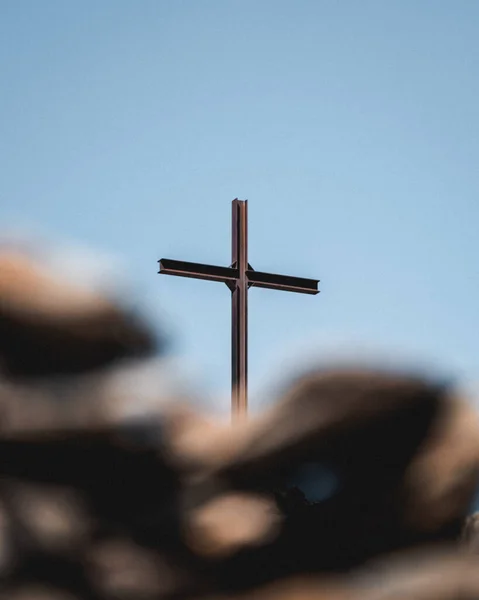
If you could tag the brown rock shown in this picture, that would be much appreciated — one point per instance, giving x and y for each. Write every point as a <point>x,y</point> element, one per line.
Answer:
<point>442,478</point>
<point>397,454</point>
<point>119,569</point>
<point>230,522</point>
<point>37,592</point>
<point>348,467</point>
<point>470,534</point>
<point>432,574</point>
<point>441,574</point>
<point>48,326</point>
<point>52,518</point>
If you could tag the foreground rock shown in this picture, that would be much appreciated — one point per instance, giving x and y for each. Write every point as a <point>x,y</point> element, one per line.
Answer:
<point>389,463</point>
<point>347,488</point>
<point>470,534</point>
<point>48,326</point>
<point>106,507</point>
<point>429,575</point>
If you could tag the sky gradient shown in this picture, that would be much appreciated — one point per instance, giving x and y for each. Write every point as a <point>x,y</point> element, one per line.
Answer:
<point>351,127</point>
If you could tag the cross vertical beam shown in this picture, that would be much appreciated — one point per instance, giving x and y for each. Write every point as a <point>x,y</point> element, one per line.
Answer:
<point>239,308</point>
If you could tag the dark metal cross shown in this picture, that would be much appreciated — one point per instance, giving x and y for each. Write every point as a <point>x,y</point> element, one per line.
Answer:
<point>239,277</point>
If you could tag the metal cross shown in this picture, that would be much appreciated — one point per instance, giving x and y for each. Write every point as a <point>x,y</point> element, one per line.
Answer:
<point>239,277</point>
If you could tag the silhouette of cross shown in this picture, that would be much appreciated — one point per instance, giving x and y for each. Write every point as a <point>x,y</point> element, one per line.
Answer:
<point>239,277</point>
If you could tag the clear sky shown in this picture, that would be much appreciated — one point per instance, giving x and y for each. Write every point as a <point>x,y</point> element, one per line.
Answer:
<point>351,127</point>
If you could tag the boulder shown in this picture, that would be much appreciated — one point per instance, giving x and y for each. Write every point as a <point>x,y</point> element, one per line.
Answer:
<point>360,463</point>
<point>49,326</point>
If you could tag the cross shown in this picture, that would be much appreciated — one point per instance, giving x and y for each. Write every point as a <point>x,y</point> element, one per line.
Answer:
<point>239,277</point>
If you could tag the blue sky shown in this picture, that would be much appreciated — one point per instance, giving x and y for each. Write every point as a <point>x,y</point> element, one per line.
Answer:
<point>351,127</point>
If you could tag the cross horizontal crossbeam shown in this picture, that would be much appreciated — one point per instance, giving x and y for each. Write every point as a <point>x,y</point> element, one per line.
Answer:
<point>229,275</point>
<point>286,283</point>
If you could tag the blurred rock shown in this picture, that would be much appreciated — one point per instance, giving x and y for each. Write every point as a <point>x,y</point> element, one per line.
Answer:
<point>220,509</point>
<point>470,533</point>
<point>441,481</point>
<point>112,488</point>
<point>122,570</point>
<point>404,452</point>
<point>230,522</point>
<point>426,575</point>
<point>38,592</point>
<point>53,518</point>
<point>48,326</point>
<point>91,513</point>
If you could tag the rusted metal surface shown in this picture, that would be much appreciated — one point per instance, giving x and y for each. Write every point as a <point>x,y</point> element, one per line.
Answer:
<point>239,277</point>
<point>285,283</point>
<point>239,311</point>
<point>198,270</point>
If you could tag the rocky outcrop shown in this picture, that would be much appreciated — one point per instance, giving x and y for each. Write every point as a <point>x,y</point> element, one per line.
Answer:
<point>355,484</point>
